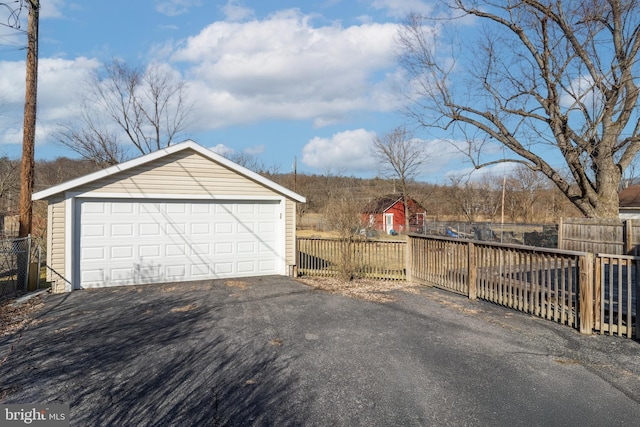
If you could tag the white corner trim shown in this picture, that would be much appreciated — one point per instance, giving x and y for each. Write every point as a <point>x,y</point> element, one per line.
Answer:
<point>69,244</point>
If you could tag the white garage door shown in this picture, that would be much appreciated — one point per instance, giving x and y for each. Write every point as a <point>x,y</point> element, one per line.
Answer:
<point>132,242</point>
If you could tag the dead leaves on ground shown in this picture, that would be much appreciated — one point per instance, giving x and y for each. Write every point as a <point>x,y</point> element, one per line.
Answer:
<point>364,289</point>
<point>15,317</point>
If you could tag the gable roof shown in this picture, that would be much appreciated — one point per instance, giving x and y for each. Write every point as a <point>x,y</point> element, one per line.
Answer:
<point>630,197</point>
<point>147,158</point>
<point>383,203</point>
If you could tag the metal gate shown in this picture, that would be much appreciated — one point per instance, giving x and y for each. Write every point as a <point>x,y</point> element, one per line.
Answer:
<point>15,257</point>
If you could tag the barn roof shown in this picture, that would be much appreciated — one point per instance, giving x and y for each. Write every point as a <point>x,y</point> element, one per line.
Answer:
<point>383,203</point>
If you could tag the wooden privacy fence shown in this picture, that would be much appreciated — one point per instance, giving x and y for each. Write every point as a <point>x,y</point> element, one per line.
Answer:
<point>609,236</point>
<point>376,259</point>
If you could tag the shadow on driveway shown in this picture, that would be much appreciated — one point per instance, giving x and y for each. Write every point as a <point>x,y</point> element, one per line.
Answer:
<point>147,356</point>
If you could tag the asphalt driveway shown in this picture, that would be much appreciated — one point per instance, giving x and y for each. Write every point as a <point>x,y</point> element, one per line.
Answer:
<point>273,351</point>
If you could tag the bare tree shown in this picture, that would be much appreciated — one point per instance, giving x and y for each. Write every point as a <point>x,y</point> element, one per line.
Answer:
<point>9,184</point>
<point>546,79</point>
<point>144,110</point>
<point>92,140</point>
<point>252,163</point>
<point>401,156</point>
<point>344,216</point>
<point>525,189</point>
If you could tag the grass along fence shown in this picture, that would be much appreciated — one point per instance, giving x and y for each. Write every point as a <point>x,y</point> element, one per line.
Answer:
<point>589,292</point>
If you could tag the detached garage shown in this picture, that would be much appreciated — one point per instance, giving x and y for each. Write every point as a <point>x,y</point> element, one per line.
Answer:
<point>178,214</point>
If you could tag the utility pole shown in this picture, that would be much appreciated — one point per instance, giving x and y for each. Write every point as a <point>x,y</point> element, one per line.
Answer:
<point>29,130</point>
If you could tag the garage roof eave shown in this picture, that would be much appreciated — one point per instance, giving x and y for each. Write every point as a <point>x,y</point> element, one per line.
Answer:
<point>188,144</point>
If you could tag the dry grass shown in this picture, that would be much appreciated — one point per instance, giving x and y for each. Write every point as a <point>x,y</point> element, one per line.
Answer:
<point>240,284</point>
<point>363,289</point>
<point>184,308</point>
<point>15,317</point>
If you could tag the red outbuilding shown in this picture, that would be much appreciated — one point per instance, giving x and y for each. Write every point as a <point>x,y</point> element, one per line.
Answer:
<point>386,214</point>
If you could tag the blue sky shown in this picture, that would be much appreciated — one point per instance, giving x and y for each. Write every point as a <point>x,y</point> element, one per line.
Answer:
<point>314,80</point>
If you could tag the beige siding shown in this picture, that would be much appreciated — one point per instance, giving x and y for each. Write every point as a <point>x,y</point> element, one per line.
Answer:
<point>290,232</point>
<point>185,172</point>
<point>56,245</point>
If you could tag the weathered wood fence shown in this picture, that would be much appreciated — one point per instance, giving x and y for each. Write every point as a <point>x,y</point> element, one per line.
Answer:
<point>542,282</point>
<point>376,259</point>
<point>608,236</point>
<point>617,286</point>
<point>586,291</point>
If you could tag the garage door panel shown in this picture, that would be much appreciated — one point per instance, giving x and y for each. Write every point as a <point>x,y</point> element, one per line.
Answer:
<point>92,276</point>
<point>154,241</point>
<point>200,249</point>
<point>222,268</point>
<point>176,229</point>
<point>93,230</point>
<point>149,230</point>
<point>266,265</point>
<point>122,230</point>
<point>175,250</point>
<point>122,253</point>
<point>93,254</point>
<point>223,248</point>
<point>177,271</point>
<point>149,251</point>
<point>223,227</point>
<point>246,248</point>
<point>121,208</point>
<point>245,267</point>
<point>200,229</point>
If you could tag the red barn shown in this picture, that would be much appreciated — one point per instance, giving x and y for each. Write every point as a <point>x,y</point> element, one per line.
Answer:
<point>386,214</point>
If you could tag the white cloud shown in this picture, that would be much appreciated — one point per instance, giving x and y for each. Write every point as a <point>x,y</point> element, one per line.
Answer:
<point>176,7</point>
<point>234,11</point>
<point>285,68</point>
<point>402,8</point>
<point>51,8</point>
<point>58,83</point>
<point>348,150</point>
<point>225,150</point>
<point>222,149</point>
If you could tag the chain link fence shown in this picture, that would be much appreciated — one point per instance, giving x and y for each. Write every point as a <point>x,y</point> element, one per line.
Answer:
<point>16,259</point>
<point>539,235</point>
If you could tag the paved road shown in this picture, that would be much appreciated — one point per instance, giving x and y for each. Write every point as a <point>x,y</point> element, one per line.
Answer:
<point>272,351</point>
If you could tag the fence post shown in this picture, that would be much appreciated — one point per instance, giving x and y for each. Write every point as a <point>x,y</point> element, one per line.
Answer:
<point>597,294</point>
<point>472,272</point>
<point>637,325</point>
<point>560,234</point>
<point>586,293</point>
<point>409,259</point>
<point>628,237</point>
